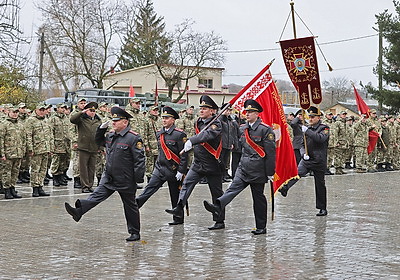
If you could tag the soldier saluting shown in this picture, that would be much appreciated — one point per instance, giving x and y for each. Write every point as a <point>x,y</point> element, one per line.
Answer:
<point>207,147</point>
<point>170,165</point>
<point>256,167</point>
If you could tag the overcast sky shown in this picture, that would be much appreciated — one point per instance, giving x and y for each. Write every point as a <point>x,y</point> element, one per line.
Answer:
<point>258,24</point>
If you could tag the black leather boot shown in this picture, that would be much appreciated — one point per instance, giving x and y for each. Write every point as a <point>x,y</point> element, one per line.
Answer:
<point>63,181</point>
<point>77,183</point>
<point>35,192</point>
<point>42,192</point>
<point>14,193</point>
<point>56,181</point>
<point>7,194</point>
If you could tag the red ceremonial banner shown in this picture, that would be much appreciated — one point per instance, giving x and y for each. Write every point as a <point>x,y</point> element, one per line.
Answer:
<point>263,89</point>
<point>301,64</point>
<point>131,91</point>
<point>361,105</point>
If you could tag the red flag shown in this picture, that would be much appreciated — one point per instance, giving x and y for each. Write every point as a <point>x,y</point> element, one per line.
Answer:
<point>131,91</point>
<point>361,105</point>
<point>156,95</point>
<point>301,64</point>
<point>263,89</point>
<point>372,140</point>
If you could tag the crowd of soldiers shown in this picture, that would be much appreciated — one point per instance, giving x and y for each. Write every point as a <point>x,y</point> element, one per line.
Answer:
<point>349,141</point>
<point>49,142</point>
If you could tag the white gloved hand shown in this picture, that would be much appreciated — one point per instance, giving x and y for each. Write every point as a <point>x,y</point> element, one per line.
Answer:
<point>188,146</point>
<point>179,176</point>
<point>306,157</point>
<point>304,128</point>
<point>104,125</point>
<point>271,178</point>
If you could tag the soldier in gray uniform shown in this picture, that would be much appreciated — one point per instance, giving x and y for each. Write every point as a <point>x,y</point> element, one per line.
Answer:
<point>170,165</point>
<point>207,147</point>
<point>125,167</point>
<point>257,166</point>
<point>12,150</point>
<point>39,145</point>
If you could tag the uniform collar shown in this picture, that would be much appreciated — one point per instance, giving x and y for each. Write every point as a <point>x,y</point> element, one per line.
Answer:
<point>169,131</point>
<point>255,124</point>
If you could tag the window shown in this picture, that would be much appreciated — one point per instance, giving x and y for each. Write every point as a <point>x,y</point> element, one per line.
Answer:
<point>208,83</point>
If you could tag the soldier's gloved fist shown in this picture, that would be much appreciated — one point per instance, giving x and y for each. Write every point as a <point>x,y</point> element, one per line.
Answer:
<point>304,128</point>
<point>179,176</point>
<point>306,157</point>
<point>104,125</point>
<point>271,178</point>
<point>188,146</point>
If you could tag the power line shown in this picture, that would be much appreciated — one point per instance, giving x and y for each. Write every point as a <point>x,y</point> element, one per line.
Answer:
<point>279,74</point>
<point>326,43</point>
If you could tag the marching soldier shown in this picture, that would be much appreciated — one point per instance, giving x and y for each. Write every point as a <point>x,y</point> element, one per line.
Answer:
<point>12,150</point>
<point>317,137</point>
<point>170,165</point>
<point>151,126</point>
<point>207,147</point>
<point>125,167</point>
<point>39,146</point>
<point>257,166</point>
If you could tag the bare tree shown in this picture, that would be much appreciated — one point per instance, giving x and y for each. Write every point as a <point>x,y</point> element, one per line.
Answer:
<point>9,27</point>
<point>191,52</point>
<point>338,88</point>
<point>84,37</point>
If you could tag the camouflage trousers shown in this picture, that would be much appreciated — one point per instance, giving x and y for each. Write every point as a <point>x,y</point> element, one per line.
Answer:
<point>75,163</point>
<point>372,159</point>
<point>382,156</point>
<point>38,169</point>
<point>361,157</point>
<point>331,154</point>
<point>150,161</point>
<point>10,172</point>
<point>350,154</point>
<point>25,163</point>
<point>100,162</point>
<point>58,164</point>
<point>340,157</point>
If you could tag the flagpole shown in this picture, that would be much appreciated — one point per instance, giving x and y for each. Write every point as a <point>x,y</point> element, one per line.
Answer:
<point>293,19</point>
<point>272,200</point>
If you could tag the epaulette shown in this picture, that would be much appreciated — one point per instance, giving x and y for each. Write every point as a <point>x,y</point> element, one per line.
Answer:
<point>178,129</point>
<point>133,132</point>
<point>264,124</point>
<point>242,124</point>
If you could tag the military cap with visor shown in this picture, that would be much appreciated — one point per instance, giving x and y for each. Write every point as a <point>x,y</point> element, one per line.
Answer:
<point>169,112</point>
<point>91,105</point>
<point>206,101</point>
<point>252,105</point>
<point>41,106</point>
<point>314,111</point>
<point>118,113</point>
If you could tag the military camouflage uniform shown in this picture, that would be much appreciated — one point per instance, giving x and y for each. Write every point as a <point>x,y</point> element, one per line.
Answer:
<point>331,147</point>
<point>186,123</point>
<point>383,145</point>
<point>151,126</point>
<point>340,143</point>
<point>60,132</point>
<point>376,125</point>
<point>39,145</point>
<point>12,149</point>
<point>25,163</point>
<point>101,157</point>
<point>360,130</point>
<point>137,121</point>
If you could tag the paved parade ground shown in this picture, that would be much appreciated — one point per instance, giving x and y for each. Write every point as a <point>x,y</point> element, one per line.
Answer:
<point>359,239</point>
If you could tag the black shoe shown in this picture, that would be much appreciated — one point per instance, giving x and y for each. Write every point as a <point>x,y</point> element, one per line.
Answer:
<point>14,193</point>
<point>175,223</point>
<point>259,231</point>
<point>328,172</point>
<point>347,166</point>
<point>203,181</point>
<point>87,190</point>
<point>56,181</point>
<point>177,211</point>
<point>217,225</point>
<point>322,212</point>
<point>7,194</point>
<point>283,191</point>
<point>35,192</point>
<point>215,209</point>
<point>48,176</point>
<point>77,183</point>
<point>46,181</point>
<point>1,191</point>
<point>65,176</point>
<point>74,212</point>
<point>133,237</point>
<point>42,192</point>
<point>226,180</point>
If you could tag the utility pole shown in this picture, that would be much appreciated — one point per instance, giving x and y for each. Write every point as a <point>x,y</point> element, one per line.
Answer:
<point>380,88</point>
<point>41,63</point>
<point>56,67</point>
